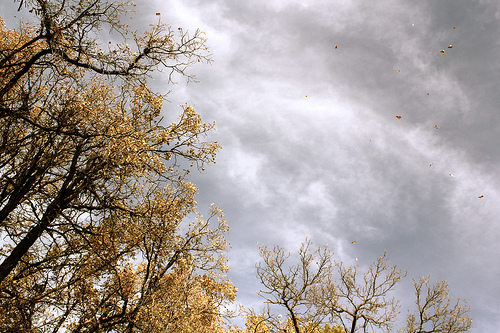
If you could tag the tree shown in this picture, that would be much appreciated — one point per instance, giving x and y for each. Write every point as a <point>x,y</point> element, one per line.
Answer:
<point>435,311</point>
<point>94,200</point>
<point>317,291</point>
<point>364,305</point>
<point>293,286</point>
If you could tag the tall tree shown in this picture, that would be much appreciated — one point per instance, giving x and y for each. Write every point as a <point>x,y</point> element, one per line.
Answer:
<point>93,196</point>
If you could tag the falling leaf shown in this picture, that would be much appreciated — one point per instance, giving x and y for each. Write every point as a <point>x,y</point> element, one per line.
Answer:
<point>305,96</point>
<point>436,126</point>
<point>399,71</point>
<point>427,94</point>
<point>431,164</point>
<point>336,46</point>
<point>399,117</point>
<point>452,175</point>
<point>356,259</point>
<point>353,242</point>
<point>442,51</point>
<point>480,196</point>
<point>371,140</point>
<point>454,27</point>
<point>157,14</point>
<point>450,47</point>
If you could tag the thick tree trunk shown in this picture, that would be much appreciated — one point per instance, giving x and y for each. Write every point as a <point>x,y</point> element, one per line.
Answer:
<point>20,250</point>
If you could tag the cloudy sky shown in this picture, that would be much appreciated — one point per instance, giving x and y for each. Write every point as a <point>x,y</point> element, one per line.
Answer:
<point>312,145</point>
<point>338,165</point>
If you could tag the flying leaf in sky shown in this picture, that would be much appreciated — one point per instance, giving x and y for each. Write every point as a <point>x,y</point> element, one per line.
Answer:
<point>431,164</point>
<point>454,27</point>
<point>336,46</point>
<point>427,94</point>
<point>399,71</point>
<point>450,46</point>
<point>436,126</point>
<point>399,117</point>
<point>442,51</point>
<point>452,175</point>
<point>480,196</point>
<point>353,242</point>
<point>157,14</point>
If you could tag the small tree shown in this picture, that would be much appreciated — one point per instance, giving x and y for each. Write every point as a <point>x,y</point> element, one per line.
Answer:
<point>363,304</point>
<point>435,311</point>
<point>294,287</point>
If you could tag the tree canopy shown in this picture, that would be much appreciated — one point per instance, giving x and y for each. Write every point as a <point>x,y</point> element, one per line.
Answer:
<point>94,201</point>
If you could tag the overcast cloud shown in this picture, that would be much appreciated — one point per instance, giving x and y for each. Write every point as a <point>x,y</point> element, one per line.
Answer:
<point>338,165</point>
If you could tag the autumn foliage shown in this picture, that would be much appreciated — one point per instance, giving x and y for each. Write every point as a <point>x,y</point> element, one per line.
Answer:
<point>94,203</point>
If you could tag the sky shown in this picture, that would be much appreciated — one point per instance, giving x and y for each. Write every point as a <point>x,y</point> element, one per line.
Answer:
<point>313,145</point>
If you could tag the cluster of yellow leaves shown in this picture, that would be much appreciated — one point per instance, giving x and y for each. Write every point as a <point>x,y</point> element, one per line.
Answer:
<point>259,324</point>
<point>186,304</point>
<point>13,47</point>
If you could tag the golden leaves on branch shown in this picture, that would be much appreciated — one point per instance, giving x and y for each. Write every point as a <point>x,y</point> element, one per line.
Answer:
<point>188,132</point>
<point>188,297</point>
<point>83,117</point>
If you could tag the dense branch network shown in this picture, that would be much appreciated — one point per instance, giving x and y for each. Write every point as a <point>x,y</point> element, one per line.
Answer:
<point>94,201</point>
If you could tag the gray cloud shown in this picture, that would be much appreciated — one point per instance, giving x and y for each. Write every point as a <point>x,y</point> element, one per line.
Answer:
<point>338,165</point>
